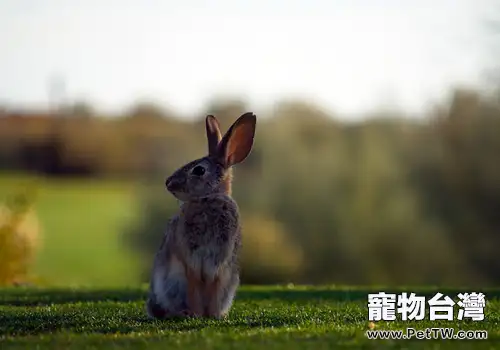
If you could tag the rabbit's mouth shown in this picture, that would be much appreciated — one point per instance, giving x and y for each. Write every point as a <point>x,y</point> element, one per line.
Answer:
<point>180,196</point>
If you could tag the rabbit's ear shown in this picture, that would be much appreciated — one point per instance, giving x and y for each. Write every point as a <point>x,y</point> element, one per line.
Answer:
<point>213,134</point>
<point>238,141</point>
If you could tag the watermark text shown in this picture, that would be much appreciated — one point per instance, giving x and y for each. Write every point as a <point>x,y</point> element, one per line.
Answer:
<point>427,334</point>
<point>384,306</point>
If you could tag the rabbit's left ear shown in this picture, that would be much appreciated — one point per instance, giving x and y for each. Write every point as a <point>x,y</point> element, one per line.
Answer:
<point>237,143</point>
<point>213,134</point>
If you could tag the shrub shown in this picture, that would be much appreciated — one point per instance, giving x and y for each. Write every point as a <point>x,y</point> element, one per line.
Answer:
<point>269,254</point>
<point>19,238</point>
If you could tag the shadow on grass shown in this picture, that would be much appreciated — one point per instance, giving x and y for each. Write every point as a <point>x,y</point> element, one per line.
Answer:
<point>45,297</point>
<point>41,297</point>
<point>40,322</point>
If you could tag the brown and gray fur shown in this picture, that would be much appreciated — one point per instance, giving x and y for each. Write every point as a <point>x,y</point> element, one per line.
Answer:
<point>195,271</point>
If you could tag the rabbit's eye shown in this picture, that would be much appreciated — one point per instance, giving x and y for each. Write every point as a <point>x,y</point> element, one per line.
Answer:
<point>198,170</point>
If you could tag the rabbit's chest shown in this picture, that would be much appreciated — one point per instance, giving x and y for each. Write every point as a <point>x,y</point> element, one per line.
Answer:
<point>209,223</point>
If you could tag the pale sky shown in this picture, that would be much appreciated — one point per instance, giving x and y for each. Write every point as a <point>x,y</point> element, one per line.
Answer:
<point>346,55</point>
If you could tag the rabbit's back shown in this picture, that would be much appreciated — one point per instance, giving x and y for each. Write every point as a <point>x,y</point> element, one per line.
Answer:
<point>167,293</point>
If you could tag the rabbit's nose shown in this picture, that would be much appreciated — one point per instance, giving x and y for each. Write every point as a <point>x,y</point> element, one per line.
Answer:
<point>171,184</point>
<point>168,183</point>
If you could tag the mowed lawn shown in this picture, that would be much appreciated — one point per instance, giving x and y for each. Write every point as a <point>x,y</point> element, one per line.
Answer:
<point>82,223</point>
<point>262,318</point>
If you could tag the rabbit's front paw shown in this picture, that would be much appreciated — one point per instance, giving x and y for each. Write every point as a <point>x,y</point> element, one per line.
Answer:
<point>188,313</point>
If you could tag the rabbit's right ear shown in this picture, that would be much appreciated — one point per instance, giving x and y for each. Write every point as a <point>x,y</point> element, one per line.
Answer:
<point>238,140</point>
<point>214,135</point>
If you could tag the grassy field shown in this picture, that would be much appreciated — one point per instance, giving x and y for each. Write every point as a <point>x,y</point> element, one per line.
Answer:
<point>82,222</point>
<point>263,317</point>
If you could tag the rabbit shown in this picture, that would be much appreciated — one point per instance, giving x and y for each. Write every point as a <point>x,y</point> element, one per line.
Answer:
<point>195,271</point>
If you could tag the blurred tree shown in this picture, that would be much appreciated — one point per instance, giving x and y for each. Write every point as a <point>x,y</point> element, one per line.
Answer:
<point>146,111</point>
<point>462,183</point>
<point>366,199</point>
<point>80,109</point>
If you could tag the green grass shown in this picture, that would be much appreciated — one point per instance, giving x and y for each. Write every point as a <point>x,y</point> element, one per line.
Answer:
<point>262,317</point>
<point>82,222</point>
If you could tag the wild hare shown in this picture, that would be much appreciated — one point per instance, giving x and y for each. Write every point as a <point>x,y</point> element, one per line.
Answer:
<point>196,271</point>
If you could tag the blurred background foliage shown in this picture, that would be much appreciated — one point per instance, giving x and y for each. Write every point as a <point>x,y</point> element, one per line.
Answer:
<point>388,200</point>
